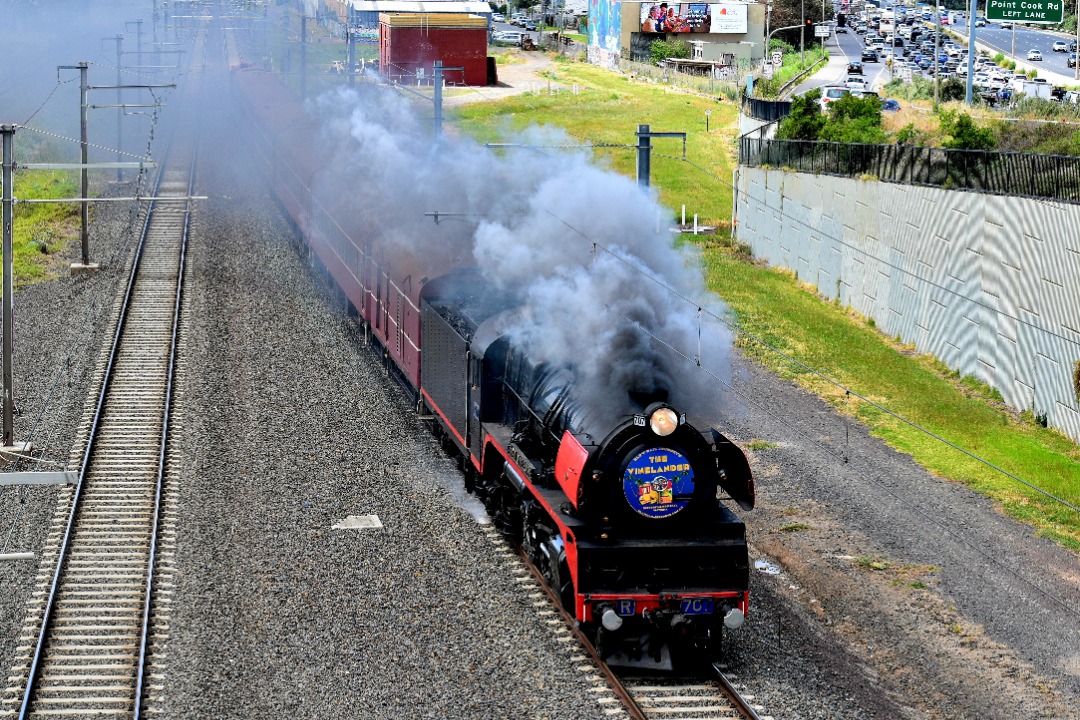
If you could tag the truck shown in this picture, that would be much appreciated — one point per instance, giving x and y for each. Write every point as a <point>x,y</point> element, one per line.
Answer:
<point>1037,89</point>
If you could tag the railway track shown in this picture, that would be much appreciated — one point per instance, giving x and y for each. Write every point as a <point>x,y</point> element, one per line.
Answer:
<point>99,609</point>
<point>635,697</point>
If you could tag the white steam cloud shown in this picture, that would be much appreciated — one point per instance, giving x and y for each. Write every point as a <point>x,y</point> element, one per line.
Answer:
<point>576,242</point>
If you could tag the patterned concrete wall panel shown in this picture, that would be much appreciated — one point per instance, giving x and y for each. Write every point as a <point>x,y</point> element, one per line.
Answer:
<point>988,284</point>
<point>1028,337</point>
<point>997,339</point>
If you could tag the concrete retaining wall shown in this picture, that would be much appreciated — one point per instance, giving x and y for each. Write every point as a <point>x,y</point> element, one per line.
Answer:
<point>988,284</point>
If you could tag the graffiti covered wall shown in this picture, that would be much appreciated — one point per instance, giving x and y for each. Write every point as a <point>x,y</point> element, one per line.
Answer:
<point>605,26</point>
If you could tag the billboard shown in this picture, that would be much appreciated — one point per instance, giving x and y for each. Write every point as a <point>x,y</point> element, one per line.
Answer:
<point>666,17</point>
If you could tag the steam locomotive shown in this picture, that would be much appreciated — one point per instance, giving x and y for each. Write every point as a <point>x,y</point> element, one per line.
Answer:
<point>620,504</point>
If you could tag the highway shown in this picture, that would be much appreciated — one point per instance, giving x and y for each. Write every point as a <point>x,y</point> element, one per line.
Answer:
<point>1027,39</point>
<point>847,46</point>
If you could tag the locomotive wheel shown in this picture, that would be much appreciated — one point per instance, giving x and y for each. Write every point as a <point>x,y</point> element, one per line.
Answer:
<point>557,573</point>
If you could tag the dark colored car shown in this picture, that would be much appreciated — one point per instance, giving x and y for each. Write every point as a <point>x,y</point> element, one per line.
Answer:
<point>890,105</point>
<point>869,55</point>
<point>855,68</point>
<point>1071,62</point>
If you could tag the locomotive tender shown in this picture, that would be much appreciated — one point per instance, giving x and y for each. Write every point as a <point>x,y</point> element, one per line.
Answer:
<point>618,503</point>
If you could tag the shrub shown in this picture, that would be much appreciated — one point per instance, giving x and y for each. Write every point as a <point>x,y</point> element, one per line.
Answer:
<point>805,121</point>
<point>963,133</point>
<point>662,49</point>
<point>952,89</point>
<point>854,120</point>
<point>1076,380</point>
<point>910,135</point>
<point>920,88</point>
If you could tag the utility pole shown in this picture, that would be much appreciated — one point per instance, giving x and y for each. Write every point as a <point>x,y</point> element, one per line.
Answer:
<point>303,54</point>
<point>768,17</point>
<point>971,51</point>
<point>8,133</point>
<point>438,73</point>
<point>644,148</point>
<point>802,37</point>
<point>350,40</point>
<point>438,68</point>
<point>84,177</point>
<point>937,52</point>
<point>119,107</point>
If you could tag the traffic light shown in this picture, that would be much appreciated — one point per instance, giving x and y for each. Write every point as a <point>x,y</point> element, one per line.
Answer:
<point>809,22</point>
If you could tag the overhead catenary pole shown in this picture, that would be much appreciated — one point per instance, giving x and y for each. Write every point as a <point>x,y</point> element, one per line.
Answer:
<point>8,133</point>
<point>971,51</point>
<point>84,158</point>
<point>937,52</point>
<point>437,72</point>
<point>351,55</point>
<point>644,148</point>
<point>303,54</point>
<point>438,68</point>
<point>119,108</point>
<point>644,152</point>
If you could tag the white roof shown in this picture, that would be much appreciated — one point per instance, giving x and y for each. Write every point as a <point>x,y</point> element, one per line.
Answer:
<point>476,7</point>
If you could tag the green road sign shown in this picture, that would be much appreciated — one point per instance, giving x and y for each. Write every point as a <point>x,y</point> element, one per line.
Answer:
<point>1026,11</point>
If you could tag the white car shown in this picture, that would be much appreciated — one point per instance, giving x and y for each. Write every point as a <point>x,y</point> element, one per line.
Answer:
<point>832,93</point>
<point>508,37</point>
<point>854,82</point>
<point>1061,46</point>
<point>1034,55</point>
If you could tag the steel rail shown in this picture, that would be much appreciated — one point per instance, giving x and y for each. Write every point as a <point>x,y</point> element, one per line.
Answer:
<point>160,480</point>
<point>734,695</point>
<point>91,446</point>
<point>633,708</point>
<point>613,681</point>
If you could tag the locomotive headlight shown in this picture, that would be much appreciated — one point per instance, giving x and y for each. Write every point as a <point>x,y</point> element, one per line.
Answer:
<point>663,421</point>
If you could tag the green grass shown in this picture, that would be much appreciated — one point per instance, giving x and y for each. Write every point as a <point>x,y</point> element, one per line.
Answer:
<point>40,232</point>
<point>608,109</point>
<point>774,306</point>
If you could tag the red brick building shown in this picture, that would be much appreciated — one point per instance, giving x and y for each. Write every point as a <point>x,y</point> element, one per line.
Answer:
<point>410,43</point>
